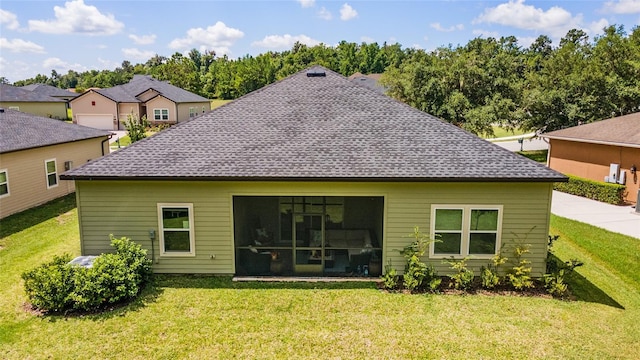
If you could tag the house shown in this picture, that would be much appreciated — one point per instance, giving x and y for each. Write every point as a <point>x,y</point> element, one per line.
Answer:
<point>313,175</point>
<point>606,150</point>
<point>371,81</point>
<point>160,101</point>
<point>34,151</point>
<point>36,100</point>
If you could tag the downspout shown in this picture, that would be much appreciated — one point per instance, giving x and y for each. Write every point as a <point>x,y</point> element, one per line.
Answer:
<point>102,143</point>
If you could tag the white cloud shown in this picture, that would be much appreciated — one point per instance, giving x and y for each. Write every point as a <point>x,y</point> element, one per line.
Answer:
<point>21,46</point>
<point>439,27</point>
<point>485,33</point>
<point>307,3</point>
<point>61,66</point>
<point>417,47</point>
<point>623,6</point>
<point>137,54</point>
<point>324,14</point>
<point>526,41</point>
<point>143,39</point>
<point>597,26</point>
<point>367,39</point>
<point>555,21</point>
<point>218,37</point>
<point>76,17</point>
<point>284,41</point>
<point>9,20</point>
<point>347,12</point>
<point>16,70</point>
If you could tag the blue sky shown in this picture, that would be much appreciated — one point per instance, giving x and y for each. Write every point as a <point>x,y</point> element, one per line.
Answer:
<point>37,36</point>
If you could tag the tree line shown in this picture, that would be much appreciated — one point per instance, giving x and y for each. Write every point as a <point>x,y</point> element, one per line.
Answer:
<point>474,86</point>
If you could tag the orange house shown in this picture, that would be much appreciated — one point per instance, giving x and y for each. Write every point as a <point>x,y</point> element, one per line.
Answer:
<point>606,150</point>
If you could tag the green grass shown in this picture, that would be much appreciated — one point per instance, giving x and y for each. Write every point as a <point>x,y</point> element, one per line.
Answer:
<point>535,155</point>
<point>499,132</point>
<point>214,317</point>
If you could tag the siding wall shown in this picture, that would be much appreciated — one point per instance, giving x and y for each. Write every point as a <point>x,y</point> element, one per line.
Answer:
<point>27,176</point>
<point>591,161</point>
<point>82,106</point>
<point>125,109</point>
<point>162,103</point>
<point>128,208</point>
<point>55,110</point>
<point>183,109</point>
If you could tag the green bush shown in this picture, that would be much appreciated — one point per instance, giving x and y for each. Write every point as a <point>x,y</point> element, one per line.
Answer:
<point>462,278</point>
<point>418,275</point>
<point>49,285</point>
<point>595,190</point>
<point>59,286</point>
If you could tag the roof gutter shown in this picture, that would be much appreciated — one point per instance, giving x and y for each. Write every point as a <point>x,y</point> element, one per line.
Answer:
<point>599,142</point>
<point>102,143</point>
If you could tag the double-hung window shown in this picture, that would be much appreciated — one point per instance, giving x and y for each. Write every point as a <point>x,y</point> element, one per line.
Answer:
<point>52,173</point>
<point>4,183</point>
<point>175,222</point>
<point>465,230</point>
<point>161,114</point>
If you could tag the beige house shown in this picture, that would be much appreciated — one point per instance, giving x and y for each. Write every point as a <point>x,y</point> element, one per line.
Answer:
<point>34,151</point>
<point>159,101</point>
<point>606,150</point>
<point>38,99</point>
<point>314,175</point>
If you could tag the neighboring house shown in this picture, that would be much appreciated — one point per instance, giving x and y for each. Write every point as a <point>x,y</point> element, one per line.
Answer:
<point>36,100</point>
<point>606,150</point>
<point>313,175</point>
<point>160,101</point>
<point>34,151</point>
<point>371,81</point>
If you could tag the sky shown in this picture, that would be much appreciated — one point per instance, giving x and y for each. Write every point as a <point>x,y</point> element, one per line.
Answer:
<point>38,36</point>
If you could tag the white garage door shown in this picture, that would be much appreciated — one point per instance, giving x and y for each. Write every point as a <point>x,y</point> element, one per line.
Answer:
<point>104,122</point>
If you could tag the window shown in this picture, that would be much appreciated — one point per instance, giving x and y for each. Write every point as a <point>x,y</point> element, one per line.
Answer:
<point>175,222</point>
<point>465,230</point>
<point>4,183</point>
<point>52,173</point>
<point>16,108</point>
<point>192,112</point>
<point>161,114</point>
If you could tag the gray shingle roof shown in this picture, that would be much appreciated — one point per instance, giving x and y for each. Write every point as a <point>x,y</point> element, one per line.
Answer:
<point>16,94</point>
<point>50,91</point>
<point>20,131</point>
<point>141,83</point>
<point>621,131</point>
<point>316,128</point>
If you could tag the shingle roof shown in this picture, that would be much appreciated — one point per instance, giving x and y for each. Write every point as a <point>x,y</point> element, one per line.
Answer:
<point>141,83</point>
<point>315,128</point>
<point>620,131</point>
<point>16,94</point>
<point>49,90</point>
<point>370,81</point>
<point>20,131</point>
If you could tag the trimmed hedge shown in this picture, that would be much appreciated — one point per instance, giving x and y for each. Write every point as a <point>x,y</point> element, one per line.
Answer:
<point>58,286</point>
<point>595,190</point>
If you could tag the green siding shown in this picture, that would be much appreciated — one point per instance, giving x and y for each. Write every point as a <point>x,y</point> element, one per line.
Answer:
<point>129,208</point>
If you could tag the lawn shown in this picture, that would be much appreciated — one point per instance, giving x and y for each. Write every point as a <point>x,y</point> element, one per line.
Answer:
<point>499,132</point>
<point>213,317</point>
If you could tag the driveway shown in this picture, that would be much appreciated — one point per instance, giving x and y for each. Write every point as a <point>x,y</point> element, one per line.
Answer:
<point>619,219</point>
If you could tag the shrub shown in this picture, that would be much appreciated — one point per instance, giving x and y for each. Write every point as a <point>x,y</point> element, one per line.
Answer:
<point>136,129</point>
<point>490,275</point>
<point>462,278</point>
<point>418,275</point>
<point>556,270</point>
<point>595,190</point>
<point>520,275</point>
<point>390,277</point>
<point>49,285</point>
<point>59,286</point>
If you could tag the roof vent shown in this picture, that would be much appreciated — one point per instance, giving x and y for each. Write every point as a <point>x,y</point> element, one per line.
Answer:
<point>316,73</point>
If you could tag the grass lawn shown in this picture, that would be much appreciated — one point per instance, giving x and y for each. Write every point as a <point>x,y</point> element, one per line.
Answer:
<point>499,132</point>
<point>212,317</point>
<point>535,155</point>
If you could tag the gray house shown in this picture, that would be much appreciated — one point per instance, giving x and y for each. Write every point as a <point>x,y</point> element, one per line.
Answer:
<point>313,175</point>
<point>37,100</point>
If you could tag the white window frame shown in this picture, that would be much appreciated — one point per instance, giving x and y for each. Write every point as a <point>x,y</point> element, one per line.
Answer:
<point>16,108</point>
<point>158,117</point>
<point>466,231</point>
<point>192,249</point>
<point>193,111</point>
<point>47,173</point>
<point>6,182</point>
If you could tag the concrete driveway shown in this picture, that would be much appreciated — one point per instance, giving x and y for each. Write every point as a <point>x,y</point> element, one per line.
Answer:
<point>619,219</point>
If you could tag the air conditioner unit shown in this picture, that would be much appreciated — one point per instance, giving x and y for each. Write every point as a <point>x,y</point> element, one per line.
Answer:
<point>614,169</point>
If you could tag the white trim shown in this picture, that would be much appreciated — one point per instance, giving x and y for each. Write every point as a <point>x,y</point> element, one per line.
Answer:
<point>191,230</point>
<point>6,176</point>
<point>466,231</point>
<point>591,141</point>
<point>47,173</point>
<point>161,119</point>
